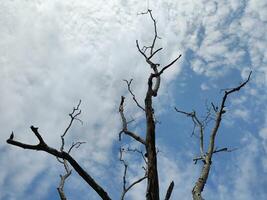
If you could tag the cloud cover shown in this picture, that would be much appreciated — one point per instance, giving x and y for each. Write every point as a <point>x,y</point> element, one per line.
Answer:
<point>55,53</point>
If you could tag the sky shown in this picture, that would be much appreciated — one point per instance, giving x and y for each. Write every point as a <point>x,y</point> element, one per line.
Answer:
<point>54,53</point>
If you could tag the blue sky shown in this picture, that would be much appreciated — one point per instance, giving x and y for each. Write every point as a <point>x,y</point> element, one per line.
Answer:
<point>54,53</point>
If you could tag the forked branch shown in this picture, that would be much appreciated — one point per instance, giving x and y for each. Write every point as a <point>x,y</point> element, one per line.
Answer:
<point>198,123</point>
<point>42,146</point>
<point>125,125</point>
<point>125,187</point>
<point>133,95</point>
<point>200,184</point>
<point>63,178</point>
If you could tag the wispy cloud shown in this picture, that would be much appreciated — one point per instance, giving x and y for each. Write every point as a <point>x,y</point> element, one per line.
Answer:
<point>55,53</point>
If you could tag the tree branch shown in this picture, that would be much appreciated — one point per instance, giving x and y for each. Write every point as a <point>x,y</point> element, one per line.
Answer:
<point>154,53</point>
<point>200,184</point>
<point>133,95</point>
<point>196,122</point>
<point>125,188</point>
<point>138,47</point>
<point>73,116</point>
<point>124,125</point>
<point>167,66</point>
<point>63,178</point>
<point>42,146</point>
<point>169,191</point>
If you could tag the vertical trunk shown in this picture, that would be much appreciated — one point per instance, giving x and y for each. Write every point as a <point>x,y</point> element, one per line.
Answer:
<point>152,192</point>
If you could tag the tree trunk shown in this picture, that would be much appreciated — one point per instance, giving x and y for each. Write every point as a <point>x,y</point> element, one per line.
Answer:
<point>152,176</point>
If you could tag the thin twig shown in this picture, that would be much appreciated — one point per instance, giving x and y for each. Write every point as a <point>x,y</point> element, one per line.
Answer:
<point>125,188</point>
<point>133,95</point>
<point>198,123</point>
<point>125,127</point>
<point>73,116</point>
<point>42,146</point>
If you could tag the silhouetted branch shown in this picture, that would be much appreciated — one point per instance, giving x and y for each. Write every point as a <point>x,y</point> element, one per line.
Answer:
<point>154,53</point>
<point>198,123</point>
<point>76,145</point>
<point>167,66</point>
<point>169,191</point>
<point>73,116</point>
<point>42,146</point>
<point>125,188</point>
<point>133,95</point>
<point>124,125</point>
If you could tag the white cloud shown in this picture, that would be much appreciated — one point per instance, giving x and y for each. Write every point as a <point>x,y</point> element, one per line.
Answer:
<point>263,136</point>
<point>241,113</point>
<point>54,53</point>
<point>239,178</point>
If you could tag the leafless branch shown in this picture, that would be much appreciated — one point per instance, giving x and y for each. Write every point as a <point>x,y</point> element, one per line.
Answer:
<point>42,146</point>
<point>138,47</point>
<point>125,188</point>
<point>124,125</point>
<point>133,184</point>
<point>62,181</point>
<point>198,123</point>
<point>154,66</point>
<point>73,116</point>
<point>76,145</point>
<point>138,151</point>
<point>225,149</point>
<point>167,66</point>
<point>133,95</point>
<point>155,30</point>
<point>154,53</point>
<point>200,184</point>
<point>169,191</point>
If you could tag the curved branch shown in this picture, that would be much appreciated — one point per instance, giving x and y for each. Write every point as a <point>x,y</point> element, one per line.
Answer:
<point>124,125</point>
<point>167,66</point>
<point>126,189</point>
<point>198,123</point>
<point>73,116</point>
<point>133,95</point>
<point>133,184</point>
<point>42,146</point>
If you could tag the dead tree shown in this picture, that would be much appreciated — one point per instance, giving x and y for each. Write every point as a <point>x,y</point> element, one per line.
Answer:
<point>146,140</point>
<point>149,142</point>
<point>206,157</point>
<point>153,85</point>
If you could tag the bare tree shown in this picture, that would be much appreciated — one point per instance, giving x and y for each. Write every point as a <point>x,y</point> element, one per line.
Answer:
<point>206,157</point>
<point>148,52</point>
<point>146,140</point>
